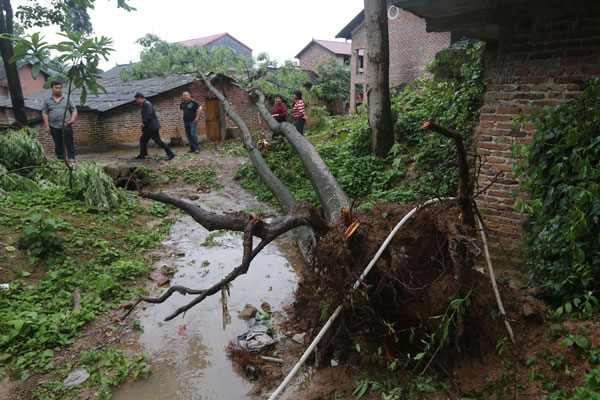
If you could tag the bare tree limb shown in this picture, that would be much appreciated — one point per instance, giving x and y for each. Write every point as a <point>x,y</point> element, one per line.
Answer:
<point>465,185</point>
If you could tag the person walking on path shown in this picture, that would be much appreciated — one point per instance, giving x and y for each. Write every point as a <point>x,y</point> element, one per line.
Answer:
<point>53,112</point>
<point>150,127</point>
<point>190,111</point>
<point>299,112</point>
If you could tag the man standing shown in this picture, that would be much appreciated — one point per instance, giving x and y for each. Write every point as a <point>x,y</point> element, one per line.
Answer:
<point>150,127</point>
<point>190,111</point>
<point>53,112</point>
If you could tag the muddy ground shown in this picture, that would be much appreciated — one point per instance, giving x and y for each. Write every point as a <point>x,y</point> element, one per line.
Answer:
<point>188,356</point>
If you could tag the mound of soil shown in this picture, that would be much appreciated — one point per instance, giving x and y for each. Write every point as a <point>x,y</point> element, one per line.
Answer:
<point>401,302</point>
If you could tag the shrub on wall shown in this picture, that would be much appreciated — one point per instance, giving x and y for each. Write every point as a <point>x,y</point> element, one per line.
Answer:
<point>560,174</point>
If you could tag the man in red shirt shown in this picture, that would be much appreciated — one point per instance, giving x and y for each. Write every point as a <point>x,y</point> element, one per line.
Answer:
<point>299,112</point>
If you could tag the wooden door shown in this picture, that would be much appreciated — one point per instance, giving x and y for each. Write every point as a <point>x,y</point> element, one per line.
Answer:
<point>213,120</point>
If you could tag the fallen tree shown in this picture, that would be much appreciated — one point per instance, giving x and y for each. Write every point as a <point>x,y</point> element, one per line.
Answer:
<point>423,296</point>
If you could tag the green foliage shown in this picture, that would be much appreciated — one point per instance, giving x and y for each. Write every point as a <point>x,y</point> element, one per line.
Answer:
<point>21,149</point>
<point>421,164</point>
<point>193,175</point>
<point>452,100</point>
<point>40,237</point>
<point>160,58</point>
<point>560,172</point>
<point>333,81</point>
<point>77,54</point>
<point>88,252</point>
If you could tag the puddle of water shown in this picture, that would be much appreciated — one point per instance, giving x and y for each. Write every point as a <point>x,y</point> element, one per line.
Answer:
<point>187,355</point>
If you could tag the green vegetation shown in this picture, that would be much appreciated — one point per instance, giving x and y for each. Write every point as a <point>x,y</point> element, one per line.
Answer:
<point>71,247</point>
<point>193,175</point>
<point>333,82</point>
<point>420,164</point>
<point>21,153</point>
<point>560,174</point>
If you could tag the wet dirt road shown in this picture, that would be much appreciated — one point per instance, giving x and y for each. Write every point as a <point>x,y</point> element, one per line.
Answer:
<point>187,355</point>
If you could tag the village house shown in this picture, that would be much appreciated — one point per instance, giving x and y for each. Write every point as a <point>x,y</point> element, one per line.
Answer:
<point>322,52</point>
<point>221,39</point>
<point>28,84</point>
<point>537,53</point>
<point>411,49</point>
<point>111,119</point>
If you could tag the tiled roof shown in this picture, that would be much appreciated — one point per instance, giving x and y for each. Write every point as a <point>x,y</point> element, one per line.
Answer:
<point>346,32</point>
<point>114,71</point>
<point>117,93</point>
<point>205,41</point>
<point>337,48</point>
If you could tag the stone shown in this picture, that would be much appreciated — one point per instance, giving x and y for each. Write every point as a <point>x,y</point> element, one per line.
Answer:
<point>193,197</point>
<point>167,271</point>
<point>248,312</point>
<point>298,338</point>
<point>265,306</point>
<point>76,377</point>
<point>532,313</point>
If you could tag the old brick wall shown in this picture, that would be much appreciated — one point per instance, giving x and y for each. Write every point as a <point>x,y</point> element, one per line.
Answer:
<point>313,56</point>
<point>122,124</point>
<point>541,61</point>
<point>411,49</point>
<point>28,84</point>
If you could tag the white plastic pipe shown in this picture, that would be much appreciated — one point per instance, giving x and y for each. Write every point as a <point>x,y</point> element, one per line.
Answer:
<point>493,279</point>
<point>338,310</point>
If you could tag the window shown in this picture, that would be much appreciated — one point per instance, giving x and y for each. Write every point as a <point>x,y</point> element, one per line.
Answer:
<point>360,60</point>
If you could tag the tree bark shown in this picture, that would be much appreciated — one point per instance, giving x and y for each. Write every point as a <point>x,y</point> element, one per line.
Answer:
<point>12,72</point>
<point>329,192</point>
<point>284,197</point>
<point>378,77</point>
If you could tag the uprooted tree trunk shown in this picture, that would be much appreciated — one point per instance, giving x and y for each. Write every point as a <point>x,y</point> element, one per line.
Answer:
<point>284,197</point>
<point>329,192</point>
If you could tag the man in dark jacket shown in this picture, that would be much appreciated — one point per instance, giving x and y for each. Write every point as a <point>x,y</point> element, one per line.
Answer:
<point>150,127</point>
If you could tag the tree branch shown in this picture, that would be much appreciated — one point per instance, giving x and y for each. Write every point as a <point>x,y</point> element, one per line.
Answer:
<point>465,185</point>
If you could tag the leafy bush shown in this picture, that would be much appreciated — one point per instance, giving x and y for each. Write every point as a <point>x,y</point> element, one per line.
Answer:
<point>560,172</point>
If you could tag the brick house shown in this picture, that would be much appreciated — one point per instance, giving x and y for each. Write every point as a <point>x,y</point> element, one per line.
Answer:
<point>28,84</point>
<point>111,120</point>
<point>221,39</point>
<point>538,53</point>
<point>411,49</point>
<point>321,52</point>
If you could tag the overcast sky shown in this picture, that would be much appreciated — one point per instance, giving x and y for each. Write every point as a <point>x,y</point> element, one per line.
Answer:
<point>281,28</point>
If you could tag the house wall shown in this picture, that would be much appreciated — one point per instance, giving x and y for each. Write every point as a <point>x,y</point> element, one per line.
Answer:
<point>232,44</point>
<point>541,61</point>
<point>315,55</point>
<point>28,84</point>
<point>122,124</point>
<point>411,49</point>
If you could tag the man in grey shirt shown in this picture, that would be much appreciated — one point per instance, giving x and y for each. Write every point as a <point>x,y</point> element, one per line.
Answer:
<point>53,110</point>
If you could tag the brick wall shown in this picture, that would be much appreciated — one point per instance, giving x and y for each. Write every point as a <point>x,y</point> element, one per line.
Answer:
<point>411,49</point>
<point>313,56</point>
<point>121,125</point>
<point>28,84</point>
<point>538,62</point>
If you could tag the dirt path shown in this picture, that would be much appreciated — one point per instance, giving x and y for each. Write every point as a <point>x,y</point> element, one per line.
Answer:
<point>187,356</point>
